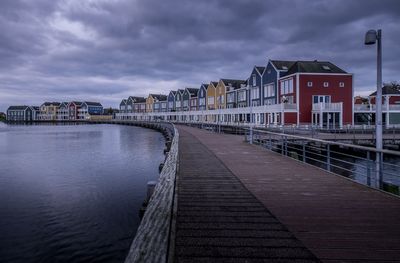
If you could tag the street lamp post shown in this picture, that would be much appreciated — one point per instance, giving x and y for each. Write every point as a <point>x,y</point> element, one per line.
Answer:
<point>371,37</point>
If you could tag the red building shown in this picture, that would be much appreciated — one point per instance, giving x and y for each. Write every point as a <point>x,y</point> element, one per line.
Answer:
<point>321,92</point>
<point>73,108</point>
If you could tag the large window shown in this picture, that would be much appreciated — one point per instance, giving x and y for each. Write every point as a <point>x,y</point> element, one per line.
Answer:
<point>230,97</point>
<point>269,90</point>
<point>254,80</point>
<point>287,86</point>
<point>255,93</point>
<point>210,100</point>
<point>156,106</point>
<point>321,99</point>
<point>202,101</point>
<point>242,95</point>
<point>185,103</point>
<point>178,103</point>
<point>170,104</point>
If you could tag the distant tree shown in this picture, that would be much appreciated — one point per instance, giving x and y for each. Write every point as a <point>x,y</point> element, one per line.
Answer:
<point>393,84</point>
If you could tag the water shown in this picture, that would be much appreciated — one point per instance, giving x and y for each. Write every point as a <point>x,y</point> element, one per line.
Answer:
<point>71,193</point>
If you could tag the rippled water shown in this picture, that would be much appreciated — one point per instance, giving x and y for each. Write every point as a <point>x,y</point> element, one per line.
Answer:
<point>71,193</point>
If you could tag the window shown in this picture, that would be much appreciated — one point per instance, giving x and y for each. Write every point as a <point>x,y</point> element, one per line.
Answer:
<point>163,105</point>
<point>321,99</point>
<point>269,90</point>
<point>286,86</point>
<point>202,93</point>
<point>309,84</point>
<point>326,67</point>
<point>170,104</point>
<point>255,93</point>
<point>202,101</point>
<point>242,95</point>
<point>185,103</point>
<point>326,84</point>
<point>210,100</point>
<point>178,103</point>
<point>230,97</point>
<point>254,80</point>
<point>341,84</point>
<point>222,99</point>
<point>156,105</point>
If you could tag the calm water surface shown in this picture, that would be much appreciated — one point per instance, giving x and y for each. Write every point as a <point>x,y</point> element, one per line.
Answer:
<point>71,193</point>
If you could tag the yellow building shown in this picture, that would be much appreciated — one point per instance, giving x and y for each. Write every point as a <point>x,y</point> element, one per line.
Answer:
<point>211,96</point>
<point>220,91</point>
<point>48,111</point>
<point>149,103</point>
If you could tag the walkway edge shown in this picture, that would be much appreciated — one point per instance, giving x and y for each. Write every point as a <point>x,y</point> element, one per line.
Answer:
<point>151,242</point>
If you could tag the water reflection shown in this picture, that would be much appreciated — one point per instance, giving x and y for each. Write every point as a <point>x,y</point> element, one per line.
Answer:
<point>71,193</point>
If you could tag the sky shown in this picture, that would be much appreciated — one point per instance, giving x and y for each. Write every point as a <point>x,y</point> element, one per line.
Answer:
<point>98,50</point>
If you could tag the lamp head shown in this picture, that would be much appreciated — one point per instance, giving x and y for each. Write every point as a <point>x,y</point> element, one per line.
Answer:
<point>370,37</point>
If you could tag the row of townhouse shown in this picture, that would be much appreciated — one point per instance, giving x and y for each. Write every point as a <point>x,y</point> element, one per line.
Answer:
<point>55,111</point>
<point>282,92</point>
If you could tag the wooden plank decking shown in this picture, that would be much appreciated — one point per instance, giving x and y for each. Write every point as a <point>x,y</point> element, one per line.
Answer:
<point>241,203</point>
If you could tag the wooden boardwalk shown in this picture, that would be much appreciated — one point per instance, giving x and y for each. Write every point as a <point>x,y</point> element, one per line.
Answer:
<point>241,203</point>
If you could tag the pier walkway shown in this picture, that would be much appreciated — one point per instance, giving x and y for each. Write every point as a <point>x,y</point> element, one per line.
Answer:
<point>241,203</point>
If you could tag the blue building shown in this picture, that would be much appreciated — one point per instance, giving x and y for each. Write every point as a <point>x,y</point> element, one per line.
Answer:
<point>20,113</point>
<point>273,71</point>
<point>255,83</point>
<point>202,97</point>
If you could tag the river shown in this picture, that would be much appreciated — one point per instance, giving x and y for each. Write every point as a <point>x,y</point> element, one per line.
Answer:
<point>71,193</point>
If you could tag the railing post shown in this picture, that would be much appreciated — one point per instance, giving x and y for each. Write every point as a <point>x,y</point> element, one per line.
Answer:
<point>368,169</point>
<point>304,151</point>
<point>378,170</point>
<point>328,157</point>
<point>282,146</point>
<point>251,134</point>
<point>270,141</point>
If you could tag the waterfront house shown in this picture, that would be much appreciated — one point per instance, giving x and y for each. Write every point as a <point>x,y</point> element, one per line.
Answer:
<point>63,112</point>
<point>202,97</point>
<point>122,106</point>
<point>365,110</point>
<point>274,70</point>
<point>190,99</point>
<point>20,113</point>
<point>179,99</point>
<point>35,112</point>
<point>73,109</point>
<point>233,87</point>
<point>160,103</point>
<point>48,111</point>
<point>211,95</point>
<point>138,104</point>
<point>171,101</point>
<point>316,92</point>
<point>129,104</point>
<point>149,103</point>
<point>89,109</point>
<point>255,82</point>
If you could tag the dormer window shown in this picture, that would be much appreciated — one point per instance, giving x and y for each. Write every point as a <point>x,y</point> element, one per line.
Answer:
<point>341,84</point>
<point>309,84</point>
<point>254,80</point>
<point>326,84</point>
<point>284,67</point>
<point>325,67</point>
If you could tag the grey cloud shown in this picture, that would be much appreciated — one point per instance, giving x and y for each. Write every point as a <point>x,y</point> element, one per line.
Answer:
<point>177,43</point>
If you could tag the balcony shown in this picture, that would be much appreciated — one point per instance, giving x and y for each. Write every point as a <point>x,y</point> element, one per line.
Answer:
<point>328,107</point>
<point>372,107</point>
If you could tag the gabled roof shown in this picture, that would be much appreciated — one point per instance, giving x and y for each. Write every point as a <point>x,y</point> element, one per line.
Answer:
<point>282,64</point>
<point>36,108</point>
<point>18,107</point>
<point>159,97</point>
<point>135,99</point>
<point>260,69</point>
<point>78,103</point>
<point>314,67</point>
<point>181,90</point>
<point>123,102</point>
<point>235,83</point>
<point>214,83</point>
<point>387,90</point>
<point>192,91</point>
<point>173,92</point>
<point>51,104</point>
<point>90,103</point>
<point>205,86</point>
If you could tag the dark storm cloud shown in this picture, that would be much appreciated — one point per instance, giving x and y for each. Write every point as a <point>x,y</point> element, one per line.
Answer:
<point>107,50</point>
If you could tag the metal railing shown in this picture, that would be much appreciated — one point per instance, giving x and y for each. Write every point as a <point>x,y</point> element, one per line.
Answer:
<point>327,106</point>
<point>352,161</point>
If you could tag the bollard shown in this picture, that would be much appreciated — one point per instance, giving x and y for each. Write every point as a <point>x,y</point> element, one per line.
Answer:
<point>151,185</point>
<point>160,167</point>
